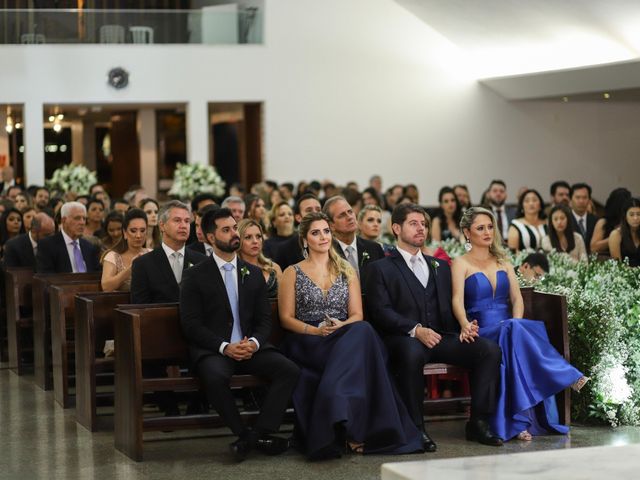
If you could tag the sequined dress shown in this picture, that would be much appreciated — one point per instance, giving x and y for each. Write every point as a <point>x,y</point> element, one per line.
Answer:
<point>344,391</point>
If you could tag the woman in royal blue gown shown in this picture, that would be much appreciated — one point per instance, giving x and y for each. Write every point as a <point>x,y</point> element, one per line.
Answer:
<point>344,394</point>
<point>532,371</point>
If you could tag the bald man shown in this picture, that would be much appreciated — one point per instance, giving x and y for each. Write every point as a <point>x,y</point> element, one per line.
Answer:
<point>21,250</point>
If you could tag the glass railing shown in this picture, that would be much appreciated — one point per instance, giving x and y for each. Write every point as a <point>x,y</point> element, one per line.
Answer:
<point>226,24</point>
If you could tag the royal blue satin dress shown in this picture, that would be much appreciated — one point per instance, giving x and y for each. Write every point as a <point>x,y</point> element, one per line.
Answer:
<point>532,371</point>
<point>344,391</point>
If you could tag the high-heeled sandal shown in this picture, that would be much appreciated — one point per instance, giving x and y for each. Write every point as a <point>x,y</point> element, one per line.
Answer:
<point>525,436</point>
<point>582,381</point>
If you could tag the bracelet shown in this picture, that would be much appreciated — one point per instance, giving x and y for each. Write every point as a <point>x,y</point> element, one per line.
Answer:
<point>306,325</point>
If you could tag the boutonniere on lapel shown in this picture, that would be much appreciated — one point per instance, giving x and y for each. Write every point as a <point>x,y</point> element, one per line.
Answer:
<point>244,271</point>
<point>365,257</point>
<point>435,265</point>
<point>189,265</point>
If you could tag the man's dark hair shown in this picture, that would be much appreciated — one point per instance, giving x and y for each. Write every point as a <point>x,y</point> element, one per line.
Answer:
<point>206,209</point>
<point>402,211</point>
<point>306,196</point>
<point>118,200</point>
<point>271,184</point>
<point>351,196</point>
<point>94,186</point>
<point>208,223</point>
<point>40,188</point>
<point>556,185</point>
<point>580,186</point>
<point>537,260</point>
<point>497,182</point>
<point>288,186</point>
<point>200,198</point>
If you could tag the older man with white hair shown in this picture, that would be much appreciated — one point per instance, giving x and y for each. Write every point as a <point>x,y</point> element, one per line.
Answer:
<point>66,251</point>
<point>237,207</point>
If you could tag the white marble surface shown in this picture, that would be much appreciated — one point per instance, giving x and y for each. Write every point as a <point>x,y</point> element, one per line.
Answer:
<point>618,462</point>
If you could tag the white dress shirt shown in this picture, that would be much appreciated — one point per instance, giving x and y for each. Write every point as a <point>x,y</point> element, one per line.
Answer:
<point>34,244</point>
<point>420,264</point>
<point>220,262</point>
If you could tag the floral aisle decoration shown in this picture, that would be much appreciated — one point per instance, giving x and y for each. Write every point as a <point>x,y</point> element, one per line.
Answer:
<point>192,179</point>
<point>72,178</point>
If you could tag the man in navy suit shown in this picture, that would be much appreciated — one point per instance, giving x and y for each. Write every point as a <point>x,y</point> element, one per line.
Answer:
<point>156,276</point>
<point>21,251</point>
<point>583,222</point>
<point>226,319</point>
<point>66,251</point>
<point>409,302</point>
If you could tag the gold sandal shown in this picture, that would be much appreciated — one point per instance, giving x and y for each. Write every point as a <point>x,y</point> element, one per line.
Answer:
<point>582,381</point>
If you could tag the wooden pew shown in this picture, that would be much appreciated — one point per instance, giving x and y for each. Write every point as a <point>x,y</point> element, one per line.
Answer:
<point>42,320</point>
<point>94,324</point>
<point>154,334</point>
<point>62,306</point>
<point>18,284</point>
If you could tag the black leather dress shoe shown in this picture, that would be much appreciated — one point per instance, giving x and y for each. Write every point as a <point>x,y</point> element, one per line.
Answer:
<point>479,431</point>
<point>271,445</point>
<point>245,443</point>
<point>428,444</point>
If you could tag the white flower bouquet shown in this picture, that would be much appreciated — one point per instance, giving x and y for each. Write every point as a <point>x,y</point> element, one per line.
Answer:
<point>72,178</point>
<point>191,179</point>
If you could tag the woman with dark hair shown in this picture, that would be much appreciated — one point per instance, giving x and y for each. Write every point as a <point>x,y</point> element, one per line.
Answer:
<point>151,207</point>
<point>529,227</point>
<point>624,241</point>
<point>345,396</point>
<point>10,225</point>
<point>463,196</point>
<point>112,230</point>
<point>445,224</point>
<point>95,217</point>
<point>116,263</point>
<point>610,221</point>
<point>251,243</point>
<point>23,201</point>
<point>27,216</point>
<point>562,237</point>
<point>257,211</point>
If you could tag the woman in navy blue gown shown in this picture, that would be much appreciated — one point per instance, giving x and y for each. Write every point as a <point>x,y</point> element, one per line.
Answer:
<point>532,371</point>
<point>344,395</point>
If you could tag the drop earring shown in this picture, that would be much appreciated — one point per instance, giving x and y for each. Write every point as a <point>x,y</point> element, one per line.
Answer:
<point>305,250</point>
<point>467,245</point>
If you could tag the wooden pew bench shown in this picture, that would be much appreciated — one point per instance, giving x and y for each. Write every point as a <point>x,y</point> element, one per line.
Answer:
<point>42,320</point>
<point>94,324</point>
<point>18,285</point>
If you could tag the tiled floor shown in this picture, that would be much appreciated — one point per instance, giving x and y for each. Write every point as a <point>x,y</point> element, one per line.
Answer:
<point>38,439</point>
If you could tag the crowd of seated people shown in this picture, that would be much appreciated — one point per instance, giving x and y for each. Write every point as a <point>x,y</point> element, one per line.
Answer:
<point>316,249</point>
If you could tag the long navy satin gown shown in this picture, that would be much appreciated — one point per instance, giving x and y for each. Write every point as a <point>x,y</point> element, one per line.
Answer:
<point>344,391</point>
<point>532,371</point>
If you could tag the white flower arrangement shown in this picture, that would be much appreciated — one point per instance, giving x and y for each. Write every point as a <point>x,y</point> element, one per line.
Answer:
<point>191,179</point>
<point>72,178</point>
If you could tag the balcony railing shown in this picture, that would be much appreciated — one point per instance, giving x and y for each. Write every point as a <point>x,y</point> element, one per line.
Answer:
<point>226,24</point>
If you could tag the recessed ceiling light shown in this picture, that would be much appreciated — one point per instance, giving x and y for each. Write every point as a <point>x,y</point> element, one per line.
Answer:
<point>606,96</point>
<point>565,99</point>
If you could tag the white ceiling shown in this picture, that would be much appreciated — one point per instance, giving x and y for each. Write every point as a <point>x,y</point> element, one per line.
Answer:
<point>522,37</point>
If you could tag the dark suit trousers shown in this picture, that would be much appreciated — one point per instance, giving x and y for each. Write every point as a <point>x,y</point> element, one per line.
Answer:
<point>408,357</point>
<point>215,372</point>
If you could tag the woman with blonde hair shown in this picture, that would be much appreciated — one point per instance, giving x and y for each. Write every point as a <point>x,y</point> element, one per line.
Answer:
<point>487,302</point>
<point>251,242</point>
<point>344,396</point>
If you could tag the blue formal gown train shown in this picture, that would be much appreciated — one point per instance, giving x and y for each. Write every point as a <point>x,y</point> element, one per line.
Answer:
<point>344,389</point>
<point>532,371</point>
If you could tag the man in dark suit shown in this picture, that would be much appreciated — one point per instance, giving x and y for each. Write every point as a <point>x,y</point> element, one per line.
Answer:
<point>66,251</point>
<point>583,222</point>
<point>156,276</point>
<point>202,247</point>
<point>409,300</point>
<point>21,251</point>
<point>357,251</point>
<point>289,252</point>
<point>226,318</point>
<point>497,196</point>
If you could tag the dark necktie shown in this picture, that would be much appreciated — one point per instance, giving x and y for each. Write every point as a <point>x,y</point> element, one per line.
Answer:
<point>583,231</point>
<point>499,220</point>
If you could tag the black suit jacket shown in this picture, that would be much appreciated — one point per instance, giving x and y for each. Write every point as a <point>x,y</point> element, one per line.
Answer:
<point>152,279</point>
<point>205,311</point>
<point>591,225</point>
<point>288,252</point>
<point>197,247</point>
<point>395,298</point>
<point>373,252</point>
<point>53,256</point>
<point>18,252</point>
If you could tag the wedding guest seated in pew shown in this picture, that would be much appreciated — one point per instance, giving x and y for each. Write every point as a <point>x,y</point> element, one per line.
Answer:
<point>290,252</point>
<point>345,393</point>
<point>27,216</point>
<point>445,223</point>
<point>201,246</point>
<point>151,207</point>
<point>531,371</point>
<point>534,267</point>
<point>67,251</point>
<point>116,262</point>
<point>409,302</point>
<point>156,276</point>
<point>612,217</point>
<point>112,230</point>
<point>583,220</point>
<point>370,225</point>
<point>529,227</point>
<point>562,237</point>
<point>10,226</point>
<point>226,319</point>
<point>251,242</point>
<point>624,241</point>
<point>21,250</point>
<point>282,228</point>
